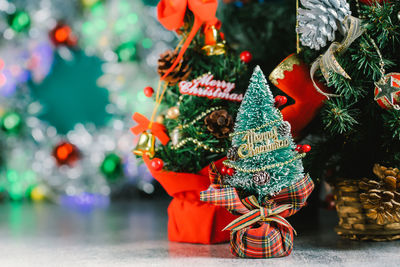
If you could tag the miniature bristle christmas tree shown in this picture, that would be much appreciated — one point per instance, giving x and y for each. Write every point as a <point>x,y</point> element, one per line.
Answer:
<point>263,155</point>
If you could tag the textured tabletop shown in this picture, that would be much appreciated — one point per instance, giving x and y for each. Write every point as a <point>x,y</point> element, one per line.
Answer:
<point>134,234</point>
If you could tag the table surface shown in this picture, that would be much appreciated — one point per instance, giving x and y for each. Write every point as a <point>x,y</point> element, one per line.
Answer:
<point>134,234</point>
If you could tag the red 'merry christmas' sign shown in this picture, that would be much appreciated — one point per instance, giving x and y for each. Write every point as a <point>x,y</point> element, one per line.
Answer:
<point>206,86</point>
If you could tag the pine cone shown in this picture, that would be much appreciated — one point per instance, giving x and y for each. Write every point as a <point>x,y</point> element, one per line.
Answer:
<point>389,176</point>
<point>319,20</point>
<point>380,198</point>
<point>219,123</point>
<point>261,178</point>
<point>284,128</point>
<point>233,154</point>
<point>181,71</point>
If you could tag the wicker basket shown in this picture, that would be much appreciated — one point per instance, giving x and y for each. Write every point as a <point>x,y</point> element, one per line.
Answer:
<point>353,222</point>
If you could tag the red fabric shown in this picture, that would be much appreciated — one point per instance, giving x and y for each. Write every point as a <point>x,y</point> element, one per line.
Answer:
<point>171,14</point>
<point>189,219</point>
<point>298,85</point>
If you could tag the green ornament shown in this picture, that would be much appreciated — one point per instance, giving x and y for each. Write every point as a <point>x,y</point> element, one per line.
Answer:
<point>112,166</point>
<point>11,122</point>
<point>19,21</point>
<point>126,52</point>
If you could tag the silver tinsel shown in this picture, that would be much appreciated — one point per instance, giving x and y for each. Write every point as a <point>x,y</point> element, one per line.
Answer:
<point>319,20</point>
<point>261,178</point>
<point>284,128</point>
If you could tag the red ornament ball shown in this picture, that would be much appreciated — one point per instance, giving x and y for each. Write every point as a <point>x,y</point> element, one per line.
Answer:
<point>230,171</point>
<point>298,148</point>
<point>280,100</point>
<point>246,56</point>
<point>392,80</point>
<point>157,164</point>
<point>305,148</point>
<point>148,91</point>
<point>63,35</point>
<point>224,170</point>
<point>66,153</point>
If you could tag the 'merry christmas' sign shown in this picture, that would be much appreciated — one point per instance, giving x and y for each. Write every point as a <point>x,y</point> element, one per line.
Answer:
<point>206,86</point>
<point>270,139</point>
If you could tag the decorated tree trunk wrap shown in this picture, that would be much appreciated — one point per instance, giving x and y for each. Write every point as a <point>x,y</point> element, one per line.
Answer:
<point>189,219</point>
<point>261,231</point>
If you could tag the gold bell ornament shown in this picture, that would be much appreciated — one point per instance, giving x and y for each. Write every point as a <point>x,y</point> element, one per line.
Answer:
<point>145,145</point>
<point>214,41</point>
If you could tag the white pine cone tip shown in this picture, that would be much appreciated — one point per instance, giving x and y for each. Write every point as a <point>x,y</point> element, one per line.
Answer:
<point>319,20</point>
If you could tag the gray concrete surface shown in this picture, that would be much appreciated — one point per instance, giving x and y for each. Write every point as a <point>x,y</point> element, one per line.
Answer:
<point>134,234</point>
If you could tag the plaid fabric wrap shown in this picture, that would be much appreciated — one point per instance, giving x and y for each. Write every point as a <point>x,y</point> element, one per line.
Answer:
<point>261,232</point>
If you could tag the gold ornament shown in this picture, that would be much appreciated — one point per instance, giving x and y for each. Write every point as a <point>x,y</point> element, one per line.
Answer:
<point>145,145</point>
<point>160,119</point>
<point>173,113</point>
<point>286,65</point>
<point>214,44</point>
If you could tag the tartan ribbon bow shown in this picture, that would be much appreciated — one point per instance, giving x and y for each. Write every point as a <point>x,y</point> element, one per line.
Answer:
<point>259,214</point>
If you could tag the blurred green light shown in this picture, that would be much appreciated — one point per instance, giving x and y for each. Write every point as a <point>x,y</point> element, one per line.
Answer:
<point>132,18</point>
<point>16,191</point>
<point>19,21</point>
<point>147,43</point>
<point>111,166</point>
<point>12,176</point>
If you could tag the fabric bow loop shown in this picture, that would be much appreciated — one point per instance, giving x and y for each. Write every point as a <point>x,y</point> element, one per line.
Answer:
<point>171,14</point>
<point>261,214</point>
<point>157,129</point>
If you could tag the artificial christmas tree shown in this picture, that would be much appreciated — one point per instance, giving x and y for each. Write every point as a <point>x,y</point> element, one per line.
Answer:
<point>197,99</point>
<point>267,182</point>
<point>358,125</point>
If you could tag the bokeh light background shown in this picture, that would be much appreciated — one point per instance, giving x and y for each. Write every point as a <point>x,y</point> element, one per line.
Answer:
<point>71,75</point>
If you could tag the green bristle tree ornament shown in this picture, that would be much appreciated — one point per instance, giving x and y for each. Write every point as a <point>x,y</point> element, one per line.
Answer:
<point>263,154</point>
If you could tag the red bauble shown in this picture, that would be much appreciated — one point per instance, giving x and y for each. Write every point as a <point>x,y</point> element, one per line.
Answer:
<point>280,100</point>
<point>224,170</point>
<point>157,164</point>
<point>393,79</point>
<point>148,91</point>
<point>230,171</point>
<point>305,148</point>
<point>246,56</point>
<point>63,35</point>
<point>66,153</point>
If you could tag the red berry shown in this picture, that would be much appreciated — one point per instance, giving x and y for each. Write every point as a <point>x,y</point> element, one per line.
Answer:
<point>246,56</point>
<point>280,100</point>
<point>157,164</point>
<point>148,91</point>
<point>298,148</point>
<point>224,170</point>
<point>230,171</point>
<point>306,148</point>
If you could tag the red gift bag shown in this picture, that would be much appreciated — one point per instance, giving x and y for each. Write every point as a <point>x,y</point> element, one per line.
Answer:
<point>189,219</point>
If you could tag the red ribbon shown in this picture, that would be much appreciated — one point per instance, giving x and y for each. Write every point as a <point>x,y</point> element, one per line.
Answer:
<point>157,129</point>
<point>171,15</point>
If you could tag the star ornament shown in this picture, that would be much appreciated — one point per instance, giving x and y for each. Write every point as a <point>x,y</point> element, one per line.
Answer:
<point>387,87</point>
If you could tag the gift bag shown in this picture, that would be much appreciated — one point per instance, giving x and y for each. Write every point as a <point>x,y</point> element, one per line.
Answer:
<point>189,219</point>
<point>260,231</point>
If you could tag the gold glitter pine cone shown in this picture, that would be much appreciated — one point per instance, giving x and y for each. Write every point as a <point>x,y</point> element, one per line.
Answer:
<point>219,123</point>
<point>179,73</point>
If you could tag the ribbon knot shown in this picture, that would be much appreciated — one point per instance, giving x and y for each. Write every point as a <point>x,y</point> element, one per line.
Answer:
<point>260,214</point>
